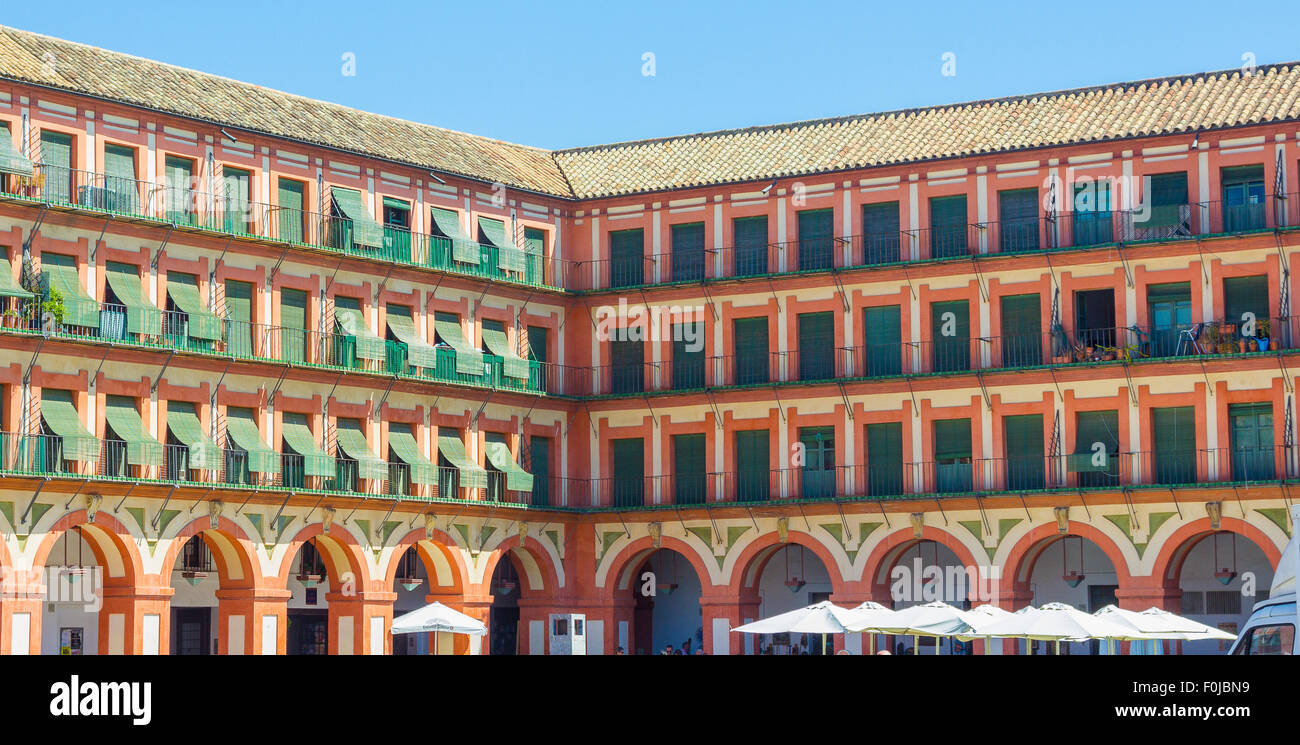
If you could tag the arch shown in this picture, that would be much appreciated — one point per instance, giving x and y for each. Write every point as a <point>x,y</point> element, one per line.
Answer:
<point>532,558</point>
<point>627,561</point>
<point>339,550</point>
<point>228,543</point>
<point>119,557</point>
<point>441,561</point>
<point>1174,550</point>
<point>1019,563</point>
<point>886,553</point>
<point>751,561</point>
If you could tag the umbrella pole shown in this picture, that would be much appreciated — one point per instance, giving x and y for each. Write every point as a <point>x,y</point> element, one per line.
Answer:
<point>1058,646</point>
<point>916,644</point>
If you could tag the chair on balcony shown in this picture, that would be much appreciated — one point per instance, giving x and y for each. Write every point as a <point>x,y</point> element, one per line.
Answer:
<point>1189,340</point>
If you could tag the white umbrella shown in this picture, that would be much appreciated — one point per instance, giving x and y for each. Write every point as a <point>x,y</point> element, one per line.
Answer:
<point>819,618</point>
<point>981,617</point>
<point>437,617</point>
<point>935,618</point>
<point>1057,622</point>
<point>867,617</point>
<point>1157,623</point>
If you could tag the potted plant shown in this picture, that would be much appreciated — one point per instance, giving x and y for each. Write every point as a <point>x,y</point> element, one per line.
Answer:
<point>1262,336</point>
<point>52,309</point>
<point>11,318</point>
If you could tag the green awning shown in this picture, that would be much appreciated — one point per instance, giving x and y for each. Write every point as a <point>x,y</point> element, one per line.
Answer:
<point>471,476</point>
<point>1083,463</point>
<point>517,479</point>
<point>469,361</point>
<point>404,446</point>
<point>185,426</point>
<point>141,448</point>
<point>352,441</point>
<point>418,352</point>
<point>184,292</point>
<point>142,317</point>
<point>512,365</point>
<point>463,248</point>
<point>61,417</point>
<point>298,436</point>
<point>352,323</point>
<point>509,257</point>
<point>11,160</point>
<point>60,273</point>
<point>365,231</point>
<point>242,428</point>
<point>9,287</point>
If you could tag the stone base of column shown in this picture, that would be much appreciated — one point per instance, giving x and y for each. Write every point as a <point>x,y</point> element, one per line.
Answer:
<point>359,622</point>
<point>252,621</point>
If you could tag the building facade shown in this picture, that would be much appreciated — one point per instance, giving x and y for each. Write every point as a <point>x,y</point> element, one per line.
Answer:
<point>275,371</point>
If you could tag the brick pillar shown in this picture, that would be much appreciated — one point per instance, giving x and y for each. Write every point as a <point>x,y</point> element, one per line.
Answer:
<point>475,606</point>
<point>22,602</point>
<point>252,621</point>
<point>359,622</point>
<point>1146,592</point>
<point>1012,600</point>
<point>135,620</point>
<point>724,604</point>
<point>852,595</point>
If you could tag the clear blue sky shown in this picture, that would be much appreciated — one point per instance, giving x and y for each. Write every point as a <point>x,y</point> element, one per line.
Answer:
<point>566,74</point>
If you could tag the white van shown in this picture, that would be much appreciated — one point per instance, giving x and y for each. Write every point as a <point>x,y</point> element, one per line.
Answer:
<point>1272,625</point>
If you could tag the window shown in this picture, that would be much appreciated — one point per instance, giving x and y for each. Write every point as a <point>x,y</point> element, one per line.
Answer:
<point>56,166</point>
<point>816,239</point>
<point>1169,306</point>
<point>1245,304</point>
<point>688,469</point>
<point>1095,460</point>
<point>626,258</point>
<point>180,189</point>
<point>539,464</point>
<point>1094,318</point>
<point>1243,198</point>
<point>628,456</point>
<point>1274,639</point>
<point>1023,441</point>
<point>239,317</point>
<point>1222,602</point>
<point>236,214</point>
<point>950,329</point>
<point>948,237</point>
<point>1092,213</point>
<point>627,366</point>
<point>880,233</point>
<point>121,192</point>
<point>1018,215</point>
<point>753,468</point>
<point>1252,441</point>
<point>818,474</point>
<point>1193,603</point>
<point>884,340</point>
<point>534,250</point>
<point>1174,432</point>
<point>952,455</point>
<point>397,233</point>
<point>1100,596</point>
<point>291,219</point>
<point>1167,212</point>
<point>293,325</point>
<point>688,251</point>
<point>1022,331</point>
<point>750,336</point>
<point>884,459</point>
<point>688,356</point>
<point>816,346</point>
<point>750,237</point>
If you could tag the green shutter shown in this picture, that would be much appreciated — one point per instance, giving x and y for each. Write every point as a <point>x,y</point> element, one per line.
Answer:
<point>816,346</point>
<point>407,450</point>
<point>499,455</point>
<point>1174,432</point>
<point>948,236</point>
<point>884,458</point>
<point>688,251</point>
<point>9,286</point>
<point>884,340</point>
<point>688,364</point>
<point>952,439</point>
<point>418,352</point>
<point>1169,189</point>
<point>469,359</point>
<point>142,316</point>
<point>180,189</point>
<point>351,440</point>
<point>236,193</point>
<point>626,258</point>
<point>61,417</point>
<point>472,476</point>
<point>242,429</point>
<point>749,234</point>
<point>627,366</point>
<point>1022,331</point>
<point>539,462</point>
<point>1243,296</point>
<point>689,484</point>
<point>509,257</point>
<point>239,311</point>
<point>1095,427</point>
<point>60,273</point>
<point>494,336</point>
<point>463,248</point>
<point>365,231</point>
<point>950,351</point>
<point>753,467</point>
<point>881,233</point>
<point>298,436</point>
<point>289,201</point>
<point>11,158</point>
<point>141,448</point>
<point>1023,442</point>
<point>751,350</point>
<point>183,289</point>
<point>816,247</point>
<point>56,165</point>
<point>537,342</point>
<point>119,163</point>
<point>351,322</point>
<point>1252,441</point>
<point>293,325</point>
<point>183,422</point>
<point>628,458</point>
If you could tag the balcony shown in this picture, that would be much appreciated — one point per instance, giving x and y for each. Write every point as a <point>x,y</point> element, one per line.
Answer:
<point>197,210</point>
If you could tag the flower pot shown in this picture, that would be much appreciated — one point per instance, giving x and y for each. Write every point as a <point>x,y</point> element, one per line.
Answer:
<point>1263,344</point>
<point>1252,345</point>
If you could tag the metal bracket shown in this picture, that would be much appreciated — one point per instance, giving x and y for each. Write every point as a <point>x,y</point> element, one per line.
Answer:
<point>1205,275</point>
<point>23,520</point>
<point>984,517</point>
<point>649,407</point>
<point>979,378</point>
<point>94,247</point>
<point>153,261</point>
<point>275,270</point>
<point>1177,506</point>
<point>1123,260</point>
<point>313,508</point>
<point>713,404</point>
<point>916,409</point>
<point>1084,502</point>
<point>979,277</point>
<point>158,513</point>
<point>908,277</point>
<point>942,514</point>
<point>126,496</point>
<point>839,287</point>
<point>1205,375</point>
<point>158,377</point>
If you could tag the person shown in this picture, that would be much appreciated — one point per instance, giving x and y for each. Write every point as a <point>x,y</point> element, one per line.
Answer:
<point>668,649</point>
<point>883,651</point>
<point>843,651</point>
<point>686,647</point>
<point>699,651</point>
<point>619,651</point>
